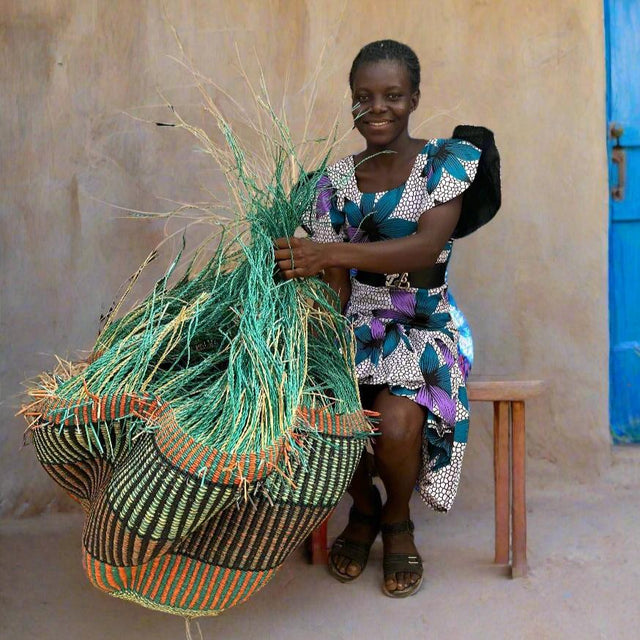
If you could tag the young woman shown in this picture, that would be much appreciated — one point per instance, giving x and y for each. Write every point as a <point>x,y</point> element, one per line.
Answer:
<point>388,215</point>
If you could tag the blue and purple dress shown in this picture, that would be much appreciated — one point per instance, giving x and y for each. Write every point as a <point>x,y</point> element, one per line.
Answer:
<point>408,338</point>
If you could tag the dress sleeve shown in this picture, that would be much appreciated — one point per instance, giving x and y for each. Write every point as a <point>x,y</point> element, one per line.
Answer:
<point>450,168</point>
<point>326,222</point>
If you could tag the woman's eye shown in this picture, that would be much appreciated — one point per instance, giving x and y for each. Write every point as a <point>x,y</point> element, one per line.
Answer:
<point>394,96</point>
<point>361,99</point>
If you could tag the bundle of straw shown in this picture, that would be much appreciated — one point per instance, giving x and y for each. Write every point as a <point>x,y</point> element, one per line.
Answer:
<point>226,398</point>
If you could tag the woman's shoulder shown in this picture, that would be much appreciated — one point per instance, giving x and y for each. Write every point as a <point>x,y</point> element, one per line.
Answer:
<point>453,146</point>
<point>448,161</point>
<point>467,135</point>
<point>341,171</point>
<point>467,163</point>
<point>342,163</point>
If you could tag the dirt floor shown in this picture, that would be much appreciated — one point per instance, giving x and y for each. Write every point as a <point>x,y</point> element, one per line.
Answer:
<point>584,554</point>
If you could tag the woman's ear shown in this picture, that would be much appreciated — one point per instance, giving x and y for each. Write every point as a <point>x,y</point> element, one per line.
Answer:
<point>415,100</point>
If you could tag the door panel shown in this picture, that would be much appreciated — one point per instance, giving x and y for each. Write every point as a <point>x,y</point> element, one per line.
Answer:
<point>623,101</point>
<point>624,249</point>
<point>624,72</point>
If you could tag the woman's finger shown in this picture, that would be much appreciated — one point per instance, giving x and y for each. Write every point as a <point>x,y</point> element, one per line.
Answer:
<point>286,243</point>
<point>282,243</point>
<point>283,254</point>
<point>285,265</point>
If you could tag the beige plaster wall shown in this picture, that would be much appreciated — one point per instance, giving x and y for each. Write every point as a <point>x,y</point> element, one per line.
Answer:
<point>533,282</point>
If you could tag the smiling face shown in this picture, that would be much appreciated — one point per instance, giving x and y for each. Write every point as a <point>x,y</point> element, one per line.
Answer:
<point>383,99</point>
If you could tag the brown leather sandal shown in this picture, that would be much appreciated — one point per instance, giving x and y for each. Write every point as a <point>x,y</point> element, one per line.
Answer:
<point>394,563</point>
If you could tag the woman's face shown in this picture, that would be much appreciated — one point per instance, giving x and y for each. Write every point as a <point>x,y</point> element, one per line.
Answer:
<point>382,101</point>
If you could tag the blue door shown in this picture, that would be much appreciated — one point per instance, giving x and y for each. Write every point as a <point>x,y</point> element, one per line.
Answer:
<point>623,104</point>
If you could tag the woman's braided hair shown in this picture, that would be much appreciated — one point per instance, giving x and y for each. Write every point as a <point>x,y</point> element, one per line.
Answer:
<point>388,50</point>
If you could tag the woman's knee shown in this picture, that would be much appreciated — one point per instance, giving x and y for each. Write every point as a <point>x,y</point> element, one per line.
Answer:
<point>400,428</point>
<point>401,422</point>
<point>397,448</point>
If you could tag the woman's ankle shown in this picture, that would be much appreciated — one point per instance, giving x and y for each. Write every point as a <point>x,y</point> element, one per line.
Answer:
<point>367,502</point>
<point>392,513</point>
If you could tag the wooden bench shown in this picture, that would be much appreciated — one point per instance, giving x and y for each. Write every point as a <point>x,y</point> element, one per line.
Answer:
<point>508,397</point>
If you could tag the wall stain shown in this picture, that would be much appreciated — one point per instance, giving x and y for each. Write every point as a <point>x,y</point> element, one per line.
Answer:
<point>75,223</point>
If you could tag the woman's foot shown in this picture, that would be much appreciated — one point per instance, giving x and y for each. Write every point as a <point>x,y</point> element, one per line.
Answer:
<point>402,565</point>
<point>350,551</point>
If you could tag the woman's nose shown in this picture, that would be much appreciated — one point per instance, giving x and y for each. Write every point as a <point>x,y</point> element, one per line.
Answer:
<point>378,105</point>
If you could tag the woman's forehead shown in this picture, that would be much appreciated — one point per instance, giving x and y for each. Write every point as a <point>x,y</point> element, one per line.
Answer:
<point>381,72</point>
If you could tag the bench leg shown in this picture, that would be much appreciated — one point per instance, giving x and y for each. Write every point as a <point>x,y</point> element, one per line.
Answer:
<point>501,477</point>
<point>519,512</point>
<point>317,544</point>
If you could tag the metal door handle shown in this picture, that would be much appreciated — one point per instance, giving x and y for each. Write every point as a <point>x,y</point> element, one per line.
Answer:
<point>619,157</point>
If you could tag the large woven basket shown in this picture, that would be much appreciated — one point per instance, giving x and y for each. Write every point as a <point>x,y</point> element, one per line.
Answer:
<point>180,527</point>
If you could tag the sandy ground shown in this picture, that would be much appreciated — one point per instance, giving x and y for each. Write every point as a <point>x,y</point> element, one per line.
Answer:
<point>584,582</point>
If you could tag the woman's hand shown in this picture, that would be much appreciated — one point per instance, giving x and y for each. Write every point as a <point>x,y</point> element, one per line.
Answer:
<point>300,257</point>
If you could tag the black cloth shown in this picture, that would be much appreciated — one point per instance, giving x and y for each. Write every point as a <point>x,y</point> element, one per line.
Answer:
<point>481,201</point>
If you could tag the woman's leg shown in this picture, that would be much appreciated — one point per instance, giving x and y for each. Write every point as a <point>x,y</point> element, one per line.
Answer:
<point>397,457</point>
<point>362,491</point>
<point>358,529</point>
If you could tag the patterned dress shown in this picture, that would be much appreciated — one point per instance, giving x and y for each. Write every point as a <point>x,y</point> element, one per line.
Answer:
<point>407,338</point>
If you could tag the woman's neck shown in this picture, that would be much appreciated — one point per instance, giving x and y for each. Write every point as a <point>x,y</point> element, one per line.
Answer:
<point>383,168</point>
<point>386,157</point>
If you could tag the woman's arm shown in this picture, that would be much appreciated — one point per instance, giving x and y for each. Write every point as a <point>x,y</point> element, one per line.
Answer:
<point>340,282</point>
<point>301,258</point>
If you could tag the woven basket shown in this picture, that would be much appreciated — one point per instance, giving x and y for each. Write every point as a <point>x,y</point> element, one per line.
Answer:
<point>141,493</point>
<point>163,532</point>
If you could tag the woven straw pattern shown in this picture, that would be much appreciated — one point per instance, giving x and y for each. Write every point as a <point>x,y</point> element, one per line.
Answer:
<point>188,546</point>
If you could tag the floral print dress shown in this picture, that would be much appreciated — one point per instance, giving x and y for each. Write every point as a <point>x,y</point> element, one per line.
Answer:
<point>407,338</point>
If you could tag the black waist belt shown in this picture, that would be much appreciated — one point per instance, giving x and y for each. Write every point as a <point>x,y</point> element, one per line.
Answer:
<point>424,279</point>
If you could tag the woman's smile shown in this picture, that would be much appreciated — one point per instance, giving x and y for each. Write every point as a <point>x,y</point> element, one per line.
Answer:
<point>378,124</point>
